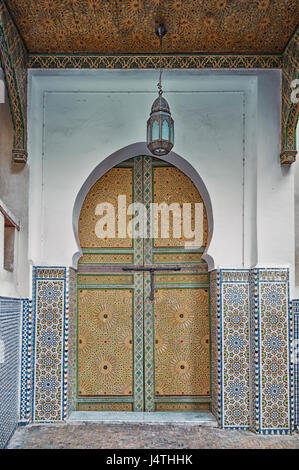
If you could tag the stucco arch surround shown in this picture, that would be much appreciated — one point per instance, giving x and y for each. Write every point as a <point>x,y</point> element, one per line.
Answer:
<point>131,151</point>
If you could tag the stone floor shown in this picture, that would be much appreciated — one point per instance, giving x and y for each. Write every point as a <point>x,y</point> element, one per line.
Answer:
<point>143,436</point>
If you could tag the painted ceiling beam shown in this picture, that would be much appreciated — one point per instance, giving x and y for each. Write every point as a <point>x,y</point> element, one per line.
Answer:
<point>13,57</point>
<point>289,108</point>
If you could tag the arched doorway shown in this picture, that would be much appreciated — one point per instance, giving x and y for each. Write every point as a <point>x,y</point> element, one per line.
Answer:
<point>143,302</point>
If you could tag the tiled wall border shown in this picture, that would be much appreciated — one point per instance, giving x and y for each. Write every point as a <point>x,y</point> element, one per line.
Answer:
<point>254,404</point>
<point>50,310</point>
<point>26,376</point>
<point>216,344</point>
<point>273,342</point>
<point>295,311</point>
<point>235,384</point>
<point>69,340</point>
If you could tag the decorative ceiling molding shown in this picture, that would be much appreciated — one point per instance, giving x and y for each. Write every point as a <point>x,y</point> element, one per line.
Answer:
<point>13,57</point>
<point>290,109</point>
<point>181,61</point>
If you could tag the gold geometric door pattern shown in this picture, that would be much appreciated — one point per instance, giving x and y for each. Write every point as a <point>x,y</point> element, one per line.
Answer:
<point>134,353</point>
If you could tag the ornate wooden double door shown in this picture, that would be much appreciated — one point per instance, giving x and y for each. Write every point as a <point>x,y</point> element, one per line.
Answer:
<point>143,303</point>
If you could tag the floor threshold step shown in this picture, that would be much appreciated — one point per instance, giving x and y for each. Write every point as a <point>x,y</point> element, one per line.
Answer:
<point>122,417</point>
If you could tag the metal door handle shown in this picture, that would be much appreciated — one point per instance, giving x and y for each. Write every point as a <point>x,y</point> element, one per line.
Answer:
<point>152,271</point>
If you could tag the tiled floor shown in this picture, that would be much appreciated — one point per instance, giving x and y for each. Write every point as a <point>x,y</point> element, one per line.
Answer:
<point>142,436</point>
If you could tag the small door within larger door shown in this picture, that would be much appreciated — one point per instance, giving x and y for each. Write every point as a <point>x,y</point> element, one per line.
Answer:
<point>136,352</point>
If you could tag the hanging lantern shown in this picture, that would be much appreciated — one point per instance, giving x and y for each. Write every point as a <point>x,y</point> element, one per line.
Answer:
<point>160,125</point>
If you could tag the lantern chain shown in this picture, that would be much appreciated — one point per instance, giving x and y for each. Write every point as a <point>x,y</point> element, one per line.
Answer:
<point>160,31</point>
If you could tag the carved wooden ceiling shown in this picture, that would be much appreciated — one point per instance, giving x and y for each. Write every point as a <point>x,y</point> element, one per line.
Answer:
<point>127,26</point>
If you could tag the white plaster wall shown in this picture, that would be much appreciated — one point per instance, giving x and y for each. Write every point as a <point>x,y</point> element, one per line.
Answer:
<point>296,184</point>
<point>14,189</point>
<point>226,126</point>
<point>275,183</point>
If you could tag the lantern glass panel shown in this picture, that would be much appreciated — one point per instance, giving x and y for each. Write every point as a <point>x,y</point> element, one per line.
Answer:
<point>171,134</point>
<point>155,131</point>
<point>165,130</point>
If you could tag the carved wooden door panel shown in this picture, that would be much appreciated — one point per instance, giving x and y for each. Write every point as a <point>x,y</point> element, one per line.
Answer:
<point>136,353</point>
